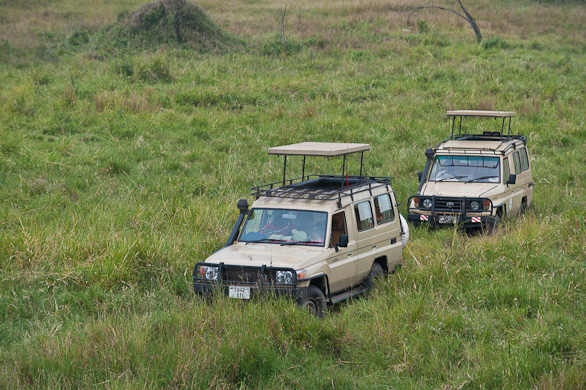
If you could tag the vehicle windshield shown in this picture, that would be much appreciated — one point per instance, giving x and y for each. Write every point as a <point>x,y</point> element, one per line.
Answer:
<point>283,226</point>
<point>477,169</point>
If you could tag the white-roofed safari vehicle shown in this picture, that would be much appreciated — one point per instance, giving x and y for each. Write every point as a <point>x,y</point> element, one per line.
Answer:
<point>476,177</point>
<point>317,238</point>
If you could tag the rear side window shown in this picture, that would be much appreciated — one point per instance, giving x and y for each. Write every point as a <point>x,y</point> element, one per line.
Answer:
<point>384,209</point>
<point>364,218</point>
<point>506,170</point>
<point>524,159</point>
<point>517,162</point>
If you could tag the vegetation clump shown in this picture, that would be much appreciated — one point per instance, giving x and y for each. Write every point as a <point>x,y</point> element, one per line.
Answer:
<point>170,23</point>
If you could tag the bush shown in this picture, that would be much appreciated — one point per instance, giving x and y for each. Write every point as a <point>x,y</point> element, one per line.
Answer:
<point>422,26</point>
<point>170,22</point>
<point>279,47</point>
<point>154,71</point>
<point>495,42</point>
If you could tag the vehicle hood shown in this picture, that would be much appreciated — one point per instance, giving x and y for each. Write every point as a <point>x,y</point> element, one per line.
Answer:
<point>457,189</point>
<point>275,255</point>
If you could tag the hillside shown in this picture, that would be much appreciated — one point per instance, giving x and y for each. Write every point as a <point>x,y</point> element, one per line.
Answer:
<point>123,154</point>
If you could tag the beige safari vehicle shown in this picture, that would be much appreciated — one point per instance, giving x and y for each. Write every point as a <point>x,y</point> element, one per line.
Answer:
<point>473,180</point>
<point>319,239</point>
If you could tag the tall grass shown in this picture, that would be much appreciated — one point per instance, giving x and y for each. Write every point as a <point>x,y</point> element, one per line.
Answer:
<point>120,170</point>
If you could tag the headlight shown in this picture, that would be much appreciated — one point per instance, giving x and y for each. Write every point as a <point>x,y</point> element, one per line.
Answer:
<point>208,272</point>
<point>284,277</point>
<point>474,205</point>
<point>427,203</point>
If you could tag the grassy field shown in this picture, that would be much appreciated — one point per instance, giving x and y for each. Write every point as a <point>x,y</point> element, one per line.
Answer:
<point>122,159</point>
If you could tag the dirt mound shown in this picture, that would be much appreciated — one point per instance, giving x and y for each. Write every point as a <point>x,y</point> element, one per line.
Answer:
<point>171,22</point>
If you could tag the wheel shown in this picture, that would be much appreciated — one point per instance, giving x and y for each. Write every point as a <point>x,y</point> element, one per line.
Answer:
<point>522,208</point>
<point>376,274</point>
<point>315,302</point>
<point>493,223</point>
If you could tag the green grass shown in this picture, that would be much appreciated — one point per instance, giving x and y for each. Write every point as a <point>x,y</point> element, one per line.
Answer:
<point>120,169</point>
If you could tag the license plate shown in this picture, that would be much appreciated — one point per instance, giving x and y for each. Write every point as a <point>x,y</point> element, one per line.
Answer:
<point>239,292</point>
<point>447,219</point>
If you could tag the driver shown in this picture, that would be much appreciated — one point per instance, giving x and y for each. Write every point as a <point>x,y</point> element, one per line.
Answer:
<point>278,226</point>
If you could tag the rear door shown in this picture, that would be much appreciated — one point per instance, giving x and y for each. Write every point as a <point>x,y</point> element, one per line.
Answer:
<point>525,178</point>
<point>367,233</point>
<point>388,241</point>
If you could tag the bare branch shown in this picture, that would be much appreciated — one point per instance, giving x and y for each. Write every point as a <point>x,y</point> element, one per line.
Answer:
<point>415,9</point>
<point>466,16</point>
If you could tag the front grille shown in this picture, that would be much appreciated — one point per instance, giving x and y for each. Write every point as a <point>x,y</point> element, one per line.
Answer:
<point>241,274</point>
<point>448,204</point>
<point>245,275</point>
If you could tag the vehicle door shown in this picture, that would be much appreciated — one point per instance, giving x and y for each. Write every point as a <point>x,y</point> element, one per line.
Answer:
<point>520,183</point>
<point>366,237</point>
<point>509,188</point>
<point>342,261</point>
<point>388,232</point>
<point>524,178</point>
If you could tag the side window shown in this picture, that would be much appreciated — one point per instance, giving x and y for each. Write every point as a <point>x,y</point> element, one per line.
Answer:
<point>364,218</point>
<point>338,228</point>
<point>384,209</point>
<point>506,170</point>
<point>524,159</point>
<point>517,162</point>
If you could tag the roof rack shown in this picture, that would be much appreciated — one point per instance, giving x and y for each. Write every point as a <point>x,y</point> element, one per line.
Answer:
<point>320,187</point>
<point>485,114</point>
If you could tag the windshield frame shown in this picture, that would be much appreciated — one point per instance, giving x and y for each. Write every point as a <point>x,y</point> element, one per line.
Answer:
<point>293,234</point>
<point>461,169</point>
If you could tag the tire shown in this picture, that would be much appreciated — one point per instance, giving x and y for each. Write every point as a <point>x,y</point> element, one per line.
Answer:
<point>493,223</point>
<point>522,208</point>
<point>375,275</point>
<point>315,302</point>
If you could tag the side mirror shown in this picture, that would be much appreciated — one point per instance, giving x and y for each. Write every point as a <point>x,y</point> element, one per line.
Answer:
<point>512,179</point>
<point>419,175</point>
<point>343,243</point>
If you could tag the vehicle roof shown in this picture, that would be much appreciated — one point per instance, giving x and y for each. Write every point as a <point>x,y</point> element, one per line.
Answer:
<point>490,114</point>
<point>325,149</point>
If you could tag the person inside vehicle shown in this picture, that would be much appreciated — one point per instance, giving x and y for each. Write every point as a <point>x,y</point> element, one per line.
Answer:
<point>278,226</point>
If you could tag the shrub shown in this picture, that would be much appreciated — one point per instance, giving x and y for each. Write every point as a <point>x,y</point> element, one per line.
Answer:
<point>281,47</point>
<point>495,42</point>
<point>154,71</point>
<point>422,26</point>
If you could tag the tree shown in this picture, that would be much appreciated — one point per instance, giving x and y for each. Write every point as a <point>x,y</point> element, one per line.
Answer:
<point>464,15</point>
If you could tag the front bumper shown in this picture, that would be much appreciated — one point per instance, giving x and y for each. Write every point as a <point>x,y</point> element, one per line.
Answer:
<point>450,211</point>
<point>460,221</point>
<point>255,281</point>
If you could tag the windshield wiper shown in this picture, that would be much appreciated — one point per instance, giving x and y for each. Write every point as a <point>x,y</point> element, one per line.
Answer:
<point>450,178</point>
<point>481,178</point>
<point>300,242</point>
<point>256,241</point>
